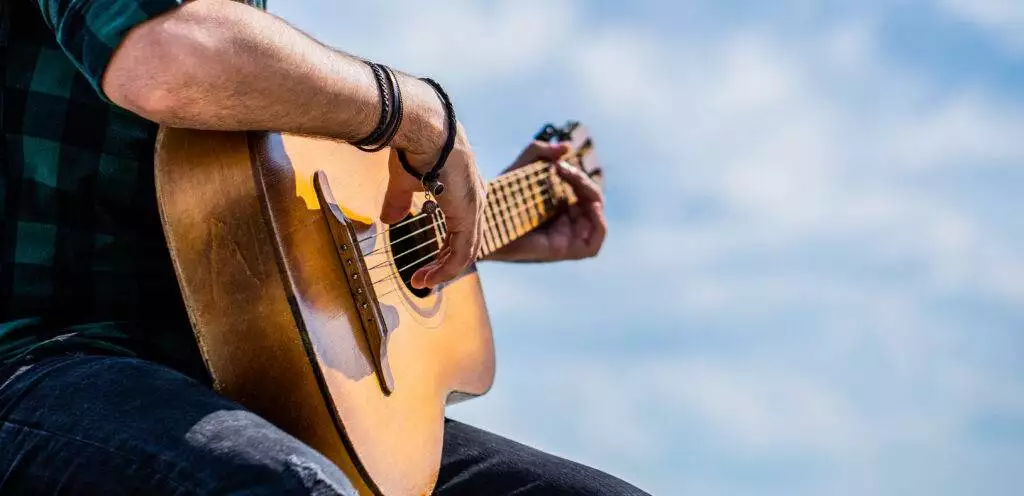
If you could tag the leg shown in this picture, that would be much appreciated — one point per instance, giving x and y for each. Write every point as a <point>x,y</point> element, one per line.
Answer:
<point>106,425</point>
<point>477,462</point>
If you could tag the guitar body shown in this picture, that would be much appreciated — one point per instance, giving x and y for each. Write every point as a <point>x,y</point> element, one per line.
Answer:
<point>254,234</point>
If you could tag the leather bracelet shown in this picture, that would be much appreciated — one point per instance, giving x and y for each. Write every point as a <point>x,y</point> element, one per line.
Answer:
<point>430,179</point>
<point>398,108</point>
<point>391,111</point>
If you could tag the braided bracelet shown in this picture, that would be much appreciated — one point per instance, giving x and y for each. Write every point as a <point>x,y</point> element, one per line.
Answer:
<point>391,110</point>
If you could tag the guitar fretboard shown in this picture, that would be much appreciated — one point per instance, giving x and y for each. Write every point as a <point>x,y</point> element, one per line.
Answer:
<point>521,201</point>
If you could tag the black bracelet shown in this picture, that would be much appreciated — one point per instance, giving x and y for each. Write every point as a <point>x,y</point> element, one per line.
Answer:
<point>430,180</point>
<point>374,136</point>
<point>397,108</point>
<point>391,111</point>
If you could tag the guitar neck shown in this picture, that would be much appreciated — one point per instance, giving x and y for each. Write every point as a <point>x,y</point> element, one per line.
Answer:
<point>521,201</point>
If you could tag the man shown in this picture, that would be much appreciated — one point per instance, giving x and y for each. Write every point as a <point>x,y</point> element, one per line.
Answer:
<point>102,390</point>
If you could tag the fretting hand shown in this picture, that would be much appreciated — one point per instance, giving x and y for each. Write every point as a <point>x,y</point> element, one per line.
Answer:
<point>578,232</point>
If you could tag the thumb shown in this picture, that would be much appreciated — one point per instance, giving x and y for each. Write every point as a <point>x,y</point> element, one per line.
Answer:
<point>553,151</point>
<point>541,150</point>
<point>398,199</point>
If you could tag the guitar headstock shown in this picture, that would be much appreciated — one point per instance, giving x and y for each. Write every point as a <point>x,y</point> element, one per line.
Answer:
<point>584,155</point>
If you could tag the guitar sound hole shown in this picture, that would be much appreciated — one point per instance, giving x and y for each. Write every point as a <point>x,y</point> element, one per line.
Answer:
<point>414,244</point>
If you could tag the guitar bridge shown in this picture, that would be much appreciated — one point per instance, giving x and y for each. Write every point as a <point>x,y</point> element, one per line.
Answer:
<point>359,282</point>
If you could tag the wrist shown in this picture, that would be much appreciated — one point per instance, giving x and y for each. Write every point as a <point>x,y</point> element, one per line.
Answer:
<point>422,132</point>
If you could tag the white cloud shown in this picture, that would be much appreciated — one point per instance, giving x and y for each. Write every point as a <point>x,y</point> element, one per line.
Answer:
<point>490,40</point>
<point>784,280</point>
<point>1003,19</point>
<point>797,144</point>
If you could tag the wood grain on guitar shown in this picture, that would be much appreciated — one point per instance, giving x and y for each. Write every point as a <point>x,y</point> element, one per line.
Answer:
<point>299,299</point>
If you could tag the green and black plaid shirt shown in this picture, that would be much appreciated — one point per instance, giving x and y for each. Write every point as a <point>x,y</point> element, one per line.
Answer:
<point>84,266</point>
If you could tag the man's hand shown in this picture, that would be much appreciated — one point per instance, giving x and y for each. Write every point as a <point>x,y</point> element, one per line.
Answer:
<point>462,203</point>
<point>577,233</point>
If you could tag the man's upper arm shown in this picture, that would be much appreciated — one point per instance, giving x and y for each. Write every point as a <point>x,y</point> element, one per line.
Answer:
<point>89,31</point>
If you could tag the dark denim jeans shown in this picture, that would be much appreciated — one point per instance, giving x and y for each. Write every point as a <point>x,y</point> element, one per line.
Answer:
<point>111,425</point>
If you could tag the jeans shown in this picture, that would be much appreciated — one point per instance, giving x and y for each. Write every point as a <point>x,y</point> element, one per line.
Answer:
<point>88,424</point>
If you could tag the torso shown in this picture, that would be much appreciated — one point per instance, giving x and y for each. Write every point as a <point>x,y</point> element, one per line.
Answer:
<point>83,254</point>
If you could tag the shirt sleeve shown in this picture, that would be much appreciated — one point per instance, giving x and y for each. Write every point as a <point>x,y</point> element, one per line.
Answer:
<point>89,31</point>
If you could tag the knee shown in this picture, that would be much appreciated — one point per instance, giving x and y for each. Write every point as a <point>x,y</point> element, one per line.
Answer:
<point>240,453</point>
<point>525,471</point>
<point>574,479</point>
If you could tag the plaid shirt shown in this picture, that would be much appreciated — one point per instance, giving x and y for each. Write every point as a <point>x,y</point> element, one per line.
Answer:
<point>84,265</point>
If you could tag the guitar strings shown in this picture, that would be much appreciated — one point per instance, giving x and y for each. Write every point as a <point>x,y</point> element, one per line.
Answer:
<point>538,174</point>
<point>399,240</point>
<point>388,262</point>
<point>397,273</point>
<point>518,189</point>
<point>533,175</point>
<point>404,253</point>
<point>524,207</point>
<point>517,200</point>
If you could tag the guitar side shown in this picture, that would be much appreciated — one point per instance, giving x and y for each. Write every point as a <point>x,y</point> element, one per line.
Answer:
<point>265,289</point>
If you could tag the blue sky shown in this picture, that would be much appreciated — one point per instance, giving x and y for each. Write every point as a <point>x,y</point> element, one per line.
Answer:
<point>814,282</point>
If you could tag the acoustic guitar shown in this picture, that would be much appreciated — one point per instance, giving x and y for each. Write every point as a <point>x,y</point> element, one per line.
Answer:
<point>299,295</point>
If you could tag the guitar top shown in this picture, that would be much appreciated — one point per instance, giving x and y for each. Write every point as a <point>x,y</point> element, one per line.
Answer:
<point>299,295</point>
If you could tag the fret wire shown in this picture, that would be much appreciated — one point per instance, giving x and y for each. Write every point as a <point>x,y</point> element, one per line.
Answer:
<point>538,167</point>
<point>509,219</point>
<point>526,205</point>
<point>488,242</point>
<point>508,227</point>
<point>515,213</point>
<point>543,197</point>
<point>397,272</point>
<point>486,218</point>
<point>517,221</point>
<point>489,217</point>
<point>529,187</point>
<point>535,186</point>
<point>525,218</point>
<point>535,211</point>
<point>501,223</point>
<point>489,210</point>
<point>538,196</point>
<point>526,202</point>
<point>529,218</point>
<point>532,199</point>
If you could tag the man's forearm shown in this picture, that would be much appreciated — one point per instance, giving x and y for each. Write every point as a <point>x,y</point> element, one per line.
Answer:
<point>220,65</point>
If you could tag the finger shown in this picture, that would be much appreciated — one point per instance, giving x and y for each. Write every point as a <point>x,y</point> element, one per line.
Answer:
<point>398,198</point>
<point>574,212</point>
<point>541,150</point>
<point>550,152</point>
<point>595,212</point>
<point>583,228</point>
<point>397,203</point>
<point>434,273</point>
<point>462,244</point>
<point>418,279</point>
<point>585,188</point>
<point>560,238</point>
